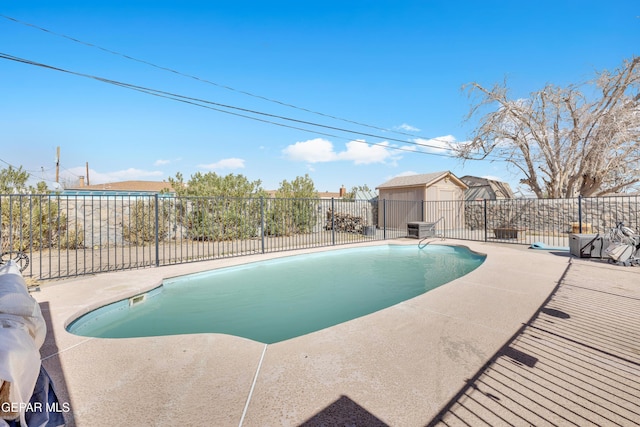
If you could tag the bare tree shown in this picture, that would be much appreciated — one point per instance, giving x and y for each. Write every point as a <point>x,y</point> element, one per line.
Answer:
<point>564,140</point>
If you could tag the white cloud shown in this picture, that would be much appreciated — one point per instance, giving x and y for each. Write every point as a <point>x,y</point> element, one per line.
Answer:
<point>321,150</point>
<point>407,128</point>
<point>363,154</point>
<point>232,163</point>
<point>312,151</point>
<point>162,162</point>
<point>440,144</point>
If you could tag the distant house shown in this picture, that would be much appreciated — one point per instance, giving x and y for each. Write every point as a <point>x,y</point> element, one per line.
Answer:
<point>133,188</point>
<point>332,195</point>
<point>483,188</point>
<point>408,193</point>
<point>359,194</point>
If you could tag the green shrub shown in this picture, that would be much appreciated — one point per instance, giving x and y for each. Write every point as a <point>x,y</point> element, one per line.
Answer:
<point>214,207</point>
<point>286,217</point>
<point>141,227</point>
<point>294,209</point>
<point>30,222</point>
<point>72,239</point>
<point>223,219</point>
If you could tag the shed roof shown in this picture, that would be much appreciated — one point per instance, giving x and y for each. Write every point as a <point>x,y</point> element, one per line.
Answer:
<point>425,179</point>
<point>478,186</point>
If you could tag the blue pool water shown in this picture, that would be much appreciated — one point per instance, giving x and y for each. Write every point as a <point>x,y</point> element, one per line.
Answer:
<point>271,301</point>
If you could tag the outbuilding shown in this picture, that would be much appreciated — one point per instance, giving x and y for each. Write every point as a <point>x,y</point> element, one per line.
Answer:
<point>486,189</point>
<point>429,197</point>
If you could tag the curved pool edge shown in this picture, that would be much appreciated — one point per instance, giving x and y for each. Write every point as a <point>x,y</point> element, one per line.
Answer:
<point>414,354</point>
<point>112,299</point>
<point>81,322</point>
<point>151,278</point>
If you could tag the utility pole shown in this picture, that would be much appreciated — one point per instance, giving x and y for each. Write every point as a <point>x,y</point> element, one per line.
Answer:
<point>87,166</point>
<point>58,165</point>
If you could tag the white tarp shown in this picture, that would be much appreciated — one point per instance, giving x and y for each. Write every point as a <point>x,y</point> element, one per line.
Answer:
<point>22,332</point>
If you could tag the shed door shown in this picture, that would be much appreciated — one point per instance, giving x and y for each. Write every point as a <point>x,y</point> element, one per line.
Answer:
<point>447,208</point>
<point>452,209</point>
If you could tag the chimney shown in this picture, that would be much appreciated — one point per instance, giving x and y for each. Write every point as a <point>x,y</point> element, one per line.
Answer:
<point>343,191</point>
<point>81,181</point>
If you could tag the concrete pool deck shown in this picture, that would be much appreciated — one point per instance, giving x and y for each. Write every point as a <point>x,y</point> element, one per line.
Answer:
<point>496,345</point>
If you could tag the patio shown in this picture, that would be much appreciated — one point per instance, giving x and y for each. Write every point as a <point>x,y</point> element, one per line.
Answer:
<point>516,341</point>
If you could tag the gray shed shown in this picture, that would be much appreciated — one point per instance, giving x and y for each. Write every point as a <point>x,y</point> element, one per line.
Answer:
<point>408,192</point>
<point>483,188</point>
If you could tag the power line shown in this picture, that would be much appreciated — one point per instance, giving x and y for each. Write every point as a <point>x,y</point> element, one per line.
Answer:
<point>488,156</point>
<point>224,108</point>
<point>65,169</point>
<point>30,174</point>
<point>75,40</point>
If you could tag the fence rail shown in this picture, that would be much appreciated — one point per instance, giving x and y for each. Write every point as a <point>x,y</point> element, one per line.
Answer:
<point>76,235</point>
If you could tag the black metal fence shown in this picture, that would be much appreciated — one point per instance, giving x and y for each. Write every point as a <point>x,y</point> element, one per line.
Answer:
<point>76,235</point>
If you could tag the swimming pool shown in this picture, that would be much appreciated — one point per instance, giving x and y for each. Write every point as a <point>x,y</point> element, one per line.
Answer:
<point>271,301</point>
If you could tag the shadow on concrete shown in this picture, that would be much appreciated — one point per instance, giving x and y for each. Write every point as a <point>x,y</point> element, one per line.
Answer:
<point>344,412</point>
<point>51,362</point>
<point>565,254</point>
<point>576,362</point>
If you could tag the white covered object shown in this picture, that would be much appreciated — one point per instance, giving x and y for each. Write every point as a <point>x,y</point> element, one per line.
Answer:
<point>22,332</point>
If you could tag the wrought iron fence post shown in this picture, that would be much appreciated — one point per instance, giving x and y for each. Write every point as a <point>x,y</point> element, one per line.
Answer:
<point>333,224</point>
<point>157,231</point>
<point>485,219</point>
<point>580,213</point>
<point>384,219</point>
<point>262,223</point>
<point>31,232</point>
<point>11,222</point>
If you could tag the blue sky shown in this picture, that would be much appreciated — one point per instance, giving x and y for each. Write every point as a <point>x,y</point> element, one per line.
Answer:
<point>395,66</point>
